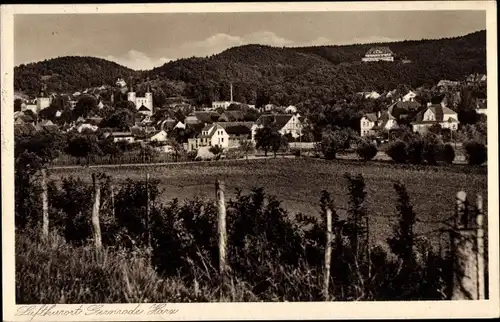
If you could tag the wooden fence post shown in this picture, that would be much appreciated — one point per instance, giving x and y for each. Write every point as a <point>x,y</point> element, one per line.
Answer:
<point>45,205</point>
<point>148,226</point>
<point>480,249</point>
<point>95,213</point>
<point>368,250</point>
<point>328,253</point>
<point>468,280</point>
<point>112,197</point>
<point>221,226</point>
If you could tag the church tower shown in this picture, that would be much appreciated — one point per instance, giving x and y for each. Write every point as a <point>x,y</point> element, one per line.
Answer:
<point>43,99</point>
<point>131,94</point>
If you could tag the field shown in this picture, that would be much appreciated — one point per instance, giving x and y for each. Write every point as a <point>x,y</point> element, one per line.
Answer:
<point>298,183</point>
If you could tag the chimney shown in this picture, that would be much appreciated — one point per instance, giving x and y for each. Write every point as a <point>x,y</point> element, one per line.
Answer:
<point>231,86</point>
<point>379,114</point>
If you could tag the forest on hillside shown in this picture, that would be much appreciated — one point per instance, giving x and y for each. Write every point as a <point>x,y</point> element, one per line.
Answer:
<point>68,74</point>
<point>263,74</point>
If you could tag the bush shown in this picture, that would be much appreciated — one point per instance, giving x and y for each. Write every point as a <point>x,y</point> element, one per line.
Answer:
<point>448,153</point>
<point>415,149</point>
<point>476,152</point>
<point>296,152</point>
<point>367,151</point>
<point>397,151</point>
<point>191,155</point>
<point>431,149</point>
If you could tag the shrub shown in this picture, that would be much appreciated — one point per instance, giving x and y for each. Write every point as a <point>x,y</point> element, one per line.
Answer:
<point>397,151</point>
<point>476,152</point>
<point>191,155</point>
<point>366,150</point>
<point>448,153</point>
<point>431,149</point>
<point>415,148</point>
<point>216,150</point>
<point>335,141</point>
<point>296,152</point>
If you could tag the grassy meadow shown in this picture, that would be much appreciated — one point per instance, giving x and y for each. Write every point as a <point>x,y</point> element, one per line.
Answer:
<point>298,183</point>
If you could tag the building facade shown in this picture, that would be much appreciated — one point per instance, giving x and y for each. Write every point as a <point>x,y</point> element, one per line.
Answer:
<point>143,104</point>
<point>376,54</point>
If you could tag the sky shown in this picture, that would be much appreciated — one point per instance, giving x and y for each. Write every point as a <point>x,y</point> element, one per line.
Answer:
<point>144,41</point>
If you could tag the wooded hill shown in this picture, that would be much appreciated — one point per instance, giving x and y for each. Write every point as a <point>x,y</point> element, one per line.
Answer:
<point>262,74</point>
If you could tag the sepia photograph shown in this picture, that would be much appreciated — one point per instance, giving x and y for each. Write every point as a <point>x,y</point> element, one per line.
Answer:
<point>239,156</point>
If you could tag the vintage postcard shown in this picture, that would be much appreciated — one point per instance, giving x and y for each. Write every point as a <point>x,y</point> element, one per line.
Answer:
<point>249,161</point>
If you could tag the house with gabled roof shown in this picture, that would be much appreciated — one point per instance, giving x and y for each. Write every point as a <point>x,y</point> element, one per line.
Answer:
<point>201,117</point>
<point>211,135</point>
<point>410,96</point>
<point>367,123</point>
<point>284,123</point>
<point>435,114</point>
<point>237,132</point>
<point>231,116</point>
<point>158,136</point>
<point>145,110</point>
<point>401,110</point>
<point>375,123</point>
<point>376,54</point>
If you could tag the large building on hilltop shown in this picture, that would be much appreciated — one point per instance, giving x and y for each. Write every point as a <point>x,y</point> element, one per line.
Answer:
<point>376,54</point>
<point>144,105</point>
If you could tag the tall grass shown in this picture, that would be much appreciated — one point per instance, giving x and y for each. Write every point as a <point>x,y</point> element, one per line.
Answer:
<point>271,257</point>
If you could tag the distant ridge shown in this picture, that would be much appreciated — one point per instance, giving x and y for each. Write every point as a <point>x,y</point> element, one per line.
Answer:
<point>285,74</point>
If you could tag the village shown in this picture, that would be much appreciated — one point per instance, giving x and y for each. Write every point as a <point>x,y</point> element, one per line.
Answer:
<point>226,124</point>
<point>282,156</point>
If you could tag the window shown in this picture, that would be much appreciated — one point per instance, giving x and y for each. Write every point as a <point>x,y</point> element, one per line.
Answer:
<point>222,140</point>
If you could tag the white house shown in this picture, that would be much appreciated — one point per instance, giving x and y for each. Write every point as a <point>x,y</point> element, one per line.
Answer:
<point>435,114</point>
<point>376,54</point>
<point>211,135</point>
<point>123,137</point>
<point>180,125</point>
<point>286,123</point>
<point>161,136</point>
<point>87,126</point>
<point>367,123</point>
<point>410,97</point>
<point>370,95</point>
<point>291,109</point>
<point>372,123</point>
<point>221,104</point>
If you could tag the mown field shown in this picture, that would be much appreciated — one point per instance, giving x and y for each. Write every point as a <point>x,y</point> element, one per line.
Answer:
<point>298,183</point>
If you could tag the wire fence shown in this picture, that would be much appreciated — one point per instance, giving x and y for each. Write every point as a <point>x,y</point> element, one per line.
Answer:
<point>452,234</point>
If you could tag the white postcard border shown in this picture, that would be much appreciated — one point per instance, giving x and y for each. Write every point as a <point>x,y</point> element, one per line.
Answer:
<point>224,311</point>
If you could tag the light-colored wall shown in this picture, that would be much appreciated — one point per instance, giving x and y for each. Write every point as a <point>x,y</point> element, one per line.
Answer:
<point>127,138</point>
<point>429,116</point>
<point>160,136</point>
<point>293,126</point>
<point>42,102</point>
<point>220,137</point>
<point>366,126</point>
